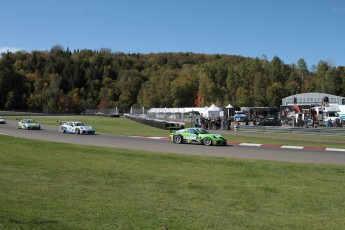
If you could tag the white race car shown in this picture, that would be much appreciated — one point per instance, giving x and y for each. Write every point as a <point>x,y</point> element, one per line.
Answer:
<point>2,120</point>
<point>28,124</point>
<point>76,127</point>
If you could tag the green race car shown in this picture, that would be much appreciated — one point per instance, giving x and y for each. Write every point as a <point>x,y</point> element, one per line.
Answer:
<point>197,135</point>
<point>28,124</point>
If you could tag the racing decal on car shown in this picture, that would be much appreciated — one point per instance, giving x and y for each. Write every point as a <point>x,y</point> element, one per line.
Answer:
<point>76,127</point>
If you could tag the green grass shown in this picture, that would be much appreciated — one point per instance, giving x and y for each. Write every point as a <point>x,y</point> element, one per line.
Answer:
<point>48,185</point>
<point>124,126</point>
<point>121,126</point>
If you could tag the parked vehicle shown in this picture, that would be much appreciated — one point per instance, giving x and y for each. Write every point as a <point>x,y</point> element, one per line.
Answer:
<point>239,116</point>
<point>270,121</point>
<point>326,114</point>
<point>342,112</point>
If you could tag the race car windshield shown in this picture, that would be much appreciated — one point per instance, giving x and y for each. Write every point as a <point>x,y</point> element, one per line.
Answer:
<point>203,131</point>
<point>79,124</point>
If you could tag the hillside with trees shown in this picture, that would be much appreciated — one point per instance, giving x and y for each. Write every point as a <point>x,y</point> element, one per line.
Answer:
<point>60,80</point>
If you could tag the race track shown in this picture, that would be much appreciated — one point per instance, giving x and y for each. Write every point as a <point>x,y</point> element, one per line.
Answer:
<point>51,133</point>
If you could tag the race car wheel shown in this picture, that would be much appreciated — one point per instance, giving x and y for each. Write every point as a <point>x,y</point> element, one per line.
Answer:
<point>177,139</point>
<point>62,130</point>
<point>207,141</point>
<point>77,131</point>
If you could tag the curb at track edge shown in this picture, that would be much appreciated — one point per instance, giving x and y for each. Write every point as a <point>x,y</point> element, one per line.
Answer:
<point>264,145</point>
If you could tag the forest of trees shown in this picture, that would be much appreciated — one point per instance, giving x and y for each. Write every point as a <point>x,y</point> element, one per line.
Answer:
<point>64,81</point>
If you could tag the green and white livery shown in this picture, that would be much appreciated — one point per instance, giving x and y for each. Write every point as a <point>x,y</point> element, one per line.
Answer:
<point>197,135</point>
<point>28,124</point>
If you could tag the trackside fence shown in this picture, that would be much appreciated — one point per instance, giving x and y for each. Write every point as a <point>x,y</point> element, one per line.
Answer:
<point>294,130</point>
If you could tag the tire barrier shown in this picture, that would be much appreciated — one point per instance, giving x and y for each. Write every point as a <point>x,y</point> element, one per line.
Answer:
<point>167,125</point>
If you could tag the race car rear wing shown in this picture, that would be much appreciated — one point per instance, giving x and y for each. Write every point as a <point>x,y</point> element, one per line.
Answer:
<point>63,122</point>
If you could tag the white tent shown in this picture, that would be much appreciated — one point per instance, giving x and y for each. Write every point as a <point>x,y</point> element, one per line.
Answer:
<point>212,111</point>
<point>229,108</point>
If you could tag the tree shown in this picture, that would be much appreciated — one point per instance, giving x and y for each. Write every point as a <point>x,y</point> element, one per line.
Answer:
<point>60,80</point>
<point>302,66</point>
<point>341,75</point>
<point>302,72</point>
<point>183,91</point>
<point>103,103</point>
<point>197,101</point>
<point>127,87</point>
<point>242,97</point>
<point>275,93</point>
<point>333,82</point>
<point>77,101</point>
<point>258,95</point>
<point>321,83</point>
<point>12,84</point>
<point>278,71</point>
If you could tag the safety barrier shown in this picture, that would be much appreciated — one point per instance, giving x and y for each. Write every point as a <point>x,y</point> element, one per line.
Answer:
<point>157,123</point>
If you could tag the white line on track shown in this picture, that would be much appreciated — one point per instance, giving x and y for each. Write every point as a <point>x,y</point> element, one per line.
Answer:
<point>335,149</point>
<point>250,144</point>
<point>291,147</point>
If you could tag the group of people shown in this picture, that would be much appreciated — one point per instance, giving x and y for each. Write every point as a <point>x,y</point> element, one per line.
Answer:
<point>314,122</point>
<point>213,123</point>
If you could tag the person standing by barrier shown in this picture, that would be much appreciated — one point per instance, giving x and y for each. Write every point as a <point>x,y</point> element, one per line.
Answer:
<point>316,123</point>
<point>306,123</point>
<point>228,123</point>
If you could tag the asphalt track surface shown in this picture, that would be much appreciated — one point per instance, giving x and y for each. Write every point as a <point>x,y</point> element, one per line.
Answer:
<point>51,133</point>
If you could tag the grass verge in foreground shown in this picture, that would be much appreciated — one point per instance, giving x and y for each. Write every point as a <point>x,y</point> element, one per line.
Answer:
<point>48,185</point>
